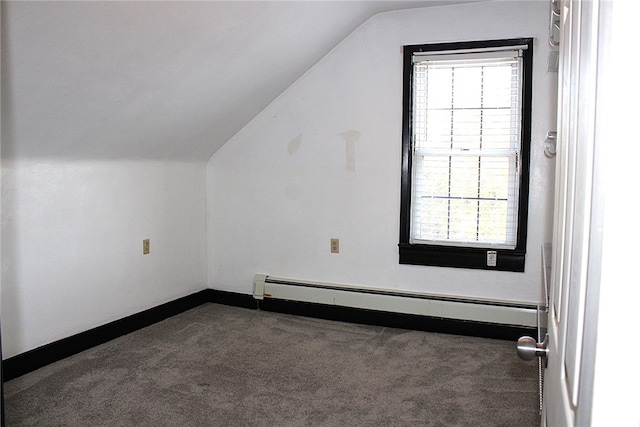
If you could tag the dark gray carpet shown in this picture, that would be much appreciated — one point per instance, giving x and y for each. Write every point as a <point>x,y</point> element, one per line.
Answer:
<point>224,366</point>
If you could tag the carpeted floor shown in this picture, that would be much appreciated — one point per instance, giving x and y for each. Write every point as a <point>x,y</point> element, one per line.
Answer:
<point>217,365</point>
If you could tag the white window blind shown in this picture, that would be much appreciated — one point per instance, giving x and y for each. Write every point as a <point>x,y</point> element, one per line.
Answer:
<point>466,148</point>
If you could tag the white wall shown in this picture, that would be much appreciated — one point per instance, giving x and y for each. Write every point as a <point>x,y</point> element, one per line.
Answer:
<point>323,161</point>
<point>72,236</point>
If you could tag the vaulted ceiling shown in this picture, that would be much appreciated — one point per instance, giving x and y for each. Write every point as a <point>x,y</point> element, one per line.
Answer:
<point>157,80</point>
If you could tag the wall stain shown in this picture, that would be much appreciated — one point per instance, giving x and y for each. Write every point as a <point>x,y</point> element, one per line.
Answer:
<point>350,138</point>
<point>294,145</point>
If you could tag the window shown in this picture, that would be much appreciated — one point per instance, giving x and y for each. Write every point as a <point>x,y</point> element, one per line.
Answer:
<point>465,163</point>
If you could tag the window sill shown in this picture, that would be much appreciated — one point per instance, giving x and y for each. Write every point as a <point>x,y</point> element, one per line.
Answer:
<point>461,257</point>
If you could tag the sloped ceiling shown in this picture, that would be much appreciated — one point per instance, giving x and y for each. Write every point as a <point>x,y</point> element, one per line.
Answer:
<point>156,80</point>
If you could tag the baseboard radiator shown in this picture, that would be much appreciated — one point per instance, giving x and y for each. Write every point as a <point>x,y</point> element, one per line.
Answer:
<point>394,301</point>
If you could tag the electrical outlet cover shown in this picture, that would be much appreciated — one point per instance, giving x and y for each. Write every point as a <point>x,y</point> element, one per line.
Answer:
<point>492,258</point>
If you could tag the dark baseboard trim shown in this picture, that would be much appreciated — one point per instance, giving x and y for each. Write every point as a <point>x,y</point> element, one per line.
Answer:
<point>377,318</point>
<point>31,360</point>
<point>231,298</point>
<point>399,320</point>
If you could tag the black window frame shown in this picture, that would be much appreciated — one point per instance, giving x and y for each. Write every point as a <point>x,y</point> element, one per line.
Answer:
<point>465,256</point>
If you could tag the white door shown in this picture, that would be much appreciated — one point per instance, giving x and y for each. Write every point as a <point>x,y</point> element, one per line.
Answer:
<point>579,210</point>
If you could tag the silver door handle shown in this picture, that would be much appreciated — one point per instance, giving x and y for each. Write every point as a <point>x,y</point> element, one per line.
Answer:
<point>529,349</point>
